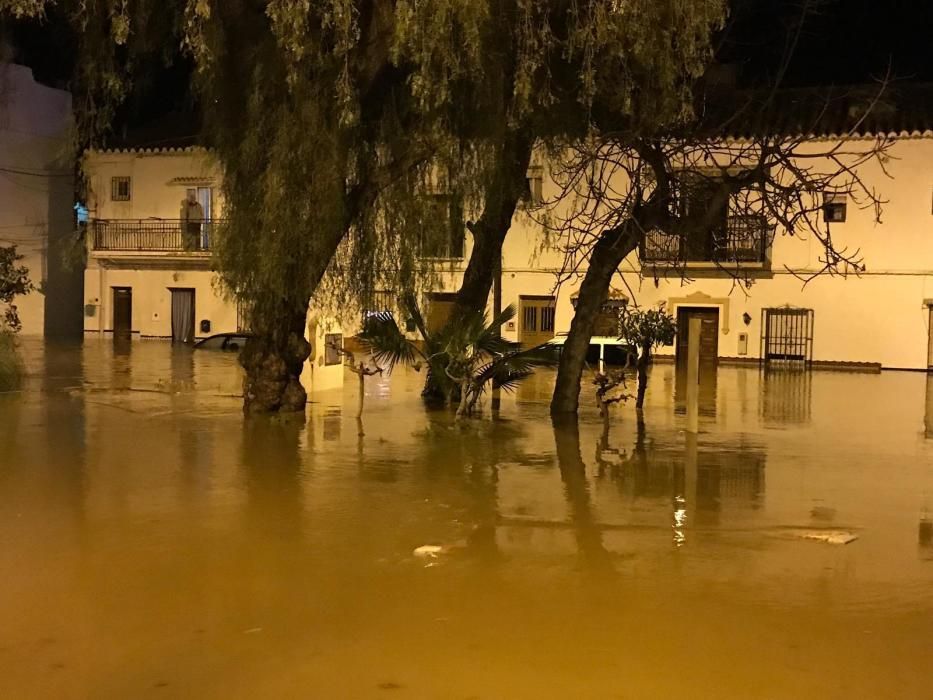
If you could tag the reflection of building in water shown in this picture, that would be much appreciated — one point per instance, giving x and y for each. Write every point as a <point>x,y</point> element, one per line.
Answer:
<point>702,483</point>
<point>730,478</point>
<point>786,394</point>
<point>332,425</point>
<point>706,397</point>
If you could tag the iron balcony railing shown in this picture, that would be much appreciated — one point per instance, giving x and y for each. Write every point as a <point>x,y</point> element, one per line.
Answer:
<point>155,235</point>
<point>744,239</point>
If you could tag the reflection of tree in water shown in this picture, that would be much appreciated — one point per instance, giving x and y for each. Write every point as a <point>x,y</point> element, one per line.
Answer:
<point>271,460</point>
<point>577,492</point>
<point>467,461</point>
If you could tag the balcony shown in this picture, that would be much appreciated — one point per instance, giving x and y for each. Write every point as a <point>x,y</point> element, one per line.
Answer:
<point>743,240</point>
<point>148,235</point>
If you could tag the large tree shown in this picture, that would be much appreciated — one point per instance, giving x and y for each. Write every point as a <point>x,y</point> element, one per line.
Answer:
<point>731,180</point>
<point>332,119</point>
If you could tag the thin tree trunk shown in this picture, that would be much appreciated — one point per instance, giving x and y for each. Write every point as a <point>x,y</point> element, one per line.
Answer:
<point>463,406</point>
<point>608,253</point>
<point>644,359</point>
<point>359,412</point>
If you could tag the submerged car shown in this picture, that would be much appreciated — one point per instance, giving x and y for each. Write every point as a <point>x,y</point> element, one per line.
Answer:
<point>230,342</point>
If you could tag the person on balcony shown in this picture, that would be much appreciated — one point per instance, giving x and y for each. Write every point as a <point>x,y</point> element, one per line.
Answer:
<point>192,217</point>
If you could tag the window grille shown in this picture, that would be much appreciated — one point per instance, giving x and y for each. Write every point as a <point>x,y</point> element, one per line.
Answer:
<point>531,318</point>
<point>120,189</point>
<point>787,336</point>
<point>547,319</point>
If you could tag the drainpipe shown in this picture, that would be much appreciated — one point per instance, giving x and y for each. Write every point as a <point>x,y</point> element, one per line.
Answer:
<point>101,306</point>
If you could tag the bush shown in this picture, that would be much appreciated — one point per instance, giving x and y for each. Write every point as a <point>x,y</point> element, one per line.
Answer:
<point>11,366</point>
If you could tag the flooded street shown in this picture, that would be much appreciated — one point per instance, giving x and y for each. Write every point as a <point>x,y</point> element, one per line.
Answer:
<point>154,544</point>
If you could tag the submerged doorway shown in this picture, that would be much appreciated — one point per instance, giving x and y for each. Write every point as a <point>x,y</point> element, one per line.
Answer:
<point>709,357</point>
<point>122,311</point>
<point>182,315</point>
<point>709,334</point>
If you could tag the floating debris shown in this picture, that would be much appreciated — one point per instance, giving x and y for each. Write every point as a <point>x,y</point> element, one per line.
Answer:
<point>828,536</point>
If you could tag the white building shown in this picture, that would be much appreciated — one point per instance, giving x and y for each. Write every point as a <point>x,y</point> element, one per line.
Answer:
<point>879,319</point>
<point>141,276</point>
<point>144,277</point>
<point>36,200</point>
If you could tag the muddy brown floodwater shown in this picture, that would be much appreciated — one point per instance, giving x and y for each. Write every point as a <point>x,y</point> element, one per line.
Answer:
<point>153,544</point>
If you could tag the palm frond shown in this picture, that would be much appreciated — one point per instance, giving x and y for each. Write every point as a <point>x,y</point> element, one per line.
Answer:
<point>384,340</point>
<point>509,381</point>
<point>489,340</point>
<point>512,367</point>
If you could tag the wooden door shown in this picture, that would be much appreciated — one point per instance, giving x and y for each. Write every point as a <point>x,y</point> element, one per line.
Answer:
<point>536,319</point>
<point>122,310</point>
<point>709,334</point>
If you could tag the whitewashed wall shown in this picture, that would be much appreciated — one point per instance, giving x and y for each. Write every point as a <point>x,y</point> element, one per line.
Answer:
<point>36,195</point>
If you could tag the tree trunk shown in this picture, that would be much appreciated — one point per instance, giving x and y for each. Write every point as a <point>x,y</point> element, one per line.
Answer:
<point>362,374</point>
<point>504,190</point>
<point>273,360</point>
<point>463,406</point>
<point>611,248</point>
<point>644,359</point>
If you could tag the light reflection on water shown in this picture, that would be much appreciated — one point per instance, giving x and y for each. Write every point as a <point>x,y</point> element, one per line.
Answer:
<point>151,541</point>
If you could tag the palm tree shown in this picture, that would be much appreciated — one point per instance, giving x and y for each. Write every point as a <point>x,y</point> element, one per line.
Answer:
<point>464,357</point>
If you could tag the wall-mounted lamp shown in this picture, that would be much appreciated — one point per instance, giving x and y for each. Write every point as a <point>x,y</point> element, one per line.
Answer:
<point>747,318</point>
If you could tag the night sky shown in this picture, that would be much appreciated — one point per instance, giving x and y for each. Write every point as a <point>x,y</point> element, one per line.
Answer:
<point>841,42</point>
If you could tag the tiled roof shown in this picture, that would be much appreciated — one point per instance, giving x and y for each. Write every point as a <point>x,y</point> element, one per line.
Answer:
<point>859,111</point>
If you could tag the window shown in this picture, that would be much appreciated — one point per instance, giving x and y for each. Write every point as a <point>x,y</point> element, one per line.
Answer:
<point>547,319</point>
<point>834,207</point>
<point>607,321</point>
<point>120,189</point>
<point>536,313</point>
<point>333,348</point>
<point>530,320</point>
<point>443,228</point>
<point>534,183</point>
<point>380,302</point>
<point>787,335</point>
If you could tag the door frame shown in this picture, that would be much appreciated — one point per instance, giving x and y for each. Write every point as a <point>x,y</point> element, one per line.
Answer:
<point>113,304</point>
<point>194,311</point>
<point>685,311</point>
